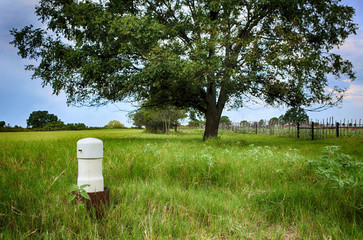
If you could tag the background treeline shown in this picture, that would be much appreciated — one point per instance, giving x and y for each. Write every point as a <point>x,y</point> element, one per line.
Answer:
<point>53,126</point>
<point>44,121</point>
<point>7,128</point>
<point>154,119</point>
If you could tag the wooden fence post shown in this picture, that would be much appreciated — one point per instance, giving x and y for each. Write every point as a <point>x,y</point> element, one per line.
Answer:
<point>312,130</point>
<point>337,129</point>
<point>298,129</point>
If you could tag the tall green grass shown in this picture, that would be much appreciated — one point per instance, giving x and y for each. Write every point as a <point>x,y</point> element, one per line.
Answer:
<point>177,186</point>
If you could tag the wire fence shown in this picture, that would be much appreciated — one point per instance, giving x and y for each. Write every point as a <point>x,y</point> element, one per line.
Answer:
<point>313,130</point>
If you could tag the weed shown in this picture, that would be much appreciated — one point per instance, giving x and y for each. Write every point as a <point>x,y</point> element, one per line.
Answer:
<point>341,169</point>
<point>78,190</point>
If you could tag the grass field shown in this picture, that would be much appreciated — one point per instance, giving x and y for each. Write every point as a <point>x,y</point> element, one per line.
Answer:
<point>178,187</point>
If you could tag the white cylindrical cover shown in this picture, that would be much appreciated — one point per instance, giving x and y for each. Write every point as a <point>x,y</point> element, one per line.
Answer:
<point>90,172</point>
<point>90,148</point>
<point>90,154</point>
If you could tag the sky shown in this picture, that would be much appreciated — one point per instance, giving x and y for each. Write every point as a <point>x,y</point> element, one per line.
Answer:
<point>20,95</point>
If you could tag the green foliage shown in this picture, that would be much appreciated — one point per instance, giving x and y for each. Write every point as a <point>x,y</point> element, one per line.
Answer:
<point>8,128</point>
<point>51,126</point>
<point>39,119</point>
<point>114,124</point>
<point>54,126</point>
<point>195,123</point>
<point>273,121</point>
<point>79,190</point>
<point>341,169</point>
<point>157,118</point>
<point>196,119</point>
<point>60,126</point>
<point>202,55</point>
<point>261,123</point>
<point>225,120</point>
<point>76,126</point>
<point>295,114</point>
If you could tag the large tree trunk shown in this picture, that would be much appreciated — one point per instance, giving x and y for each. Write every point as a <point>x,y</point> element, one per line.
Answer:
<point>212,124</point>
<point>214,111</point>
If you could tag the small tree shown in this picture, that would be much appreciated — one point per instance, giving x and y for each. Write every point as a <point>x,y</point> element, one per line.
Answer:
<point>196,119</point>
<point>2,124</point>
<point>225,121</point>
<point>261,123</point>
<point>39,119</point>
<point>114,124</point>
<point>158,118</point>
<point>295,114</point>
<point>244,123</point>
<point>273,121</point>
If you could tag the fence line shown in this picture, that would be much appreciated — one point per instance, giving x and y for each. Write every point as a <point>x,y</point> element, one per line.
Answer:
<point>326,128</point>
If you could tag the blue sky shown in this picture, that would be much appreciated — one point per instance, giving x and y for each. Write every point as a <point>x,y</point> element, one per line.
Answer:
<point>19,95</point>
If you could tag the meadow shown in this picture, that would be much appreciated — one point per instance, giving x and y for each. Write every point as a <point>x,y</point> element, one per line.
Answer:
<point>176,186</point>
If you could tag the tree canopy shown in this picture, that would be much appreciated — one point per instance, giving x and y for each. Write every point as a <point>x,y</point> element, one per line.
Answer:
<point>273,121</point>
<point>203,55</point>
<point>39,119</point>
<point>295,115</point>
<point>225,120</point>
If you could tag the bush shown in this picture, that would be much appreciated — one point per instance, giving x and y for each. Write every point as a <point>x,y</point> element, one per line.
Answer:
<point>76,126</point>
<point>59,125</point>
<point>114,124</point>
<point>340,169</point>
<point>54,126</point>
<point>8,128</point>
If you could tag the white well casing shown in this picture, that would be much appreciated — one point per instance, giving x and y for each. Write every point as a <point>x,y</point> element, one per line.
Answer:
<point>90,154</point>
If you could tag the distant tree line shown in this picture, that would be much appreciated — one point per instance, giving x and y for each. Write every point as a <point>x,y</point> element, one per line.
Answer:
<point>154,119</point>
<point>44,121</point>
<point>7,128</point>
<point>293,115</point>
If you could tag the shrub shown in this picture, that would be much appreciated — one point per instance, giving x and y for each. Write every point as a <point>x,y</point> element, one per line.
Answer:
<point>341,169</point>
<point>114,124</point>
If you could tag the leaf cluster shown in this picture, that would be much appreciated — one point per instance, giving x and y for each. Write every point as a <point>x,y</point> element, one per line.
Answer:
<point>78,190</point>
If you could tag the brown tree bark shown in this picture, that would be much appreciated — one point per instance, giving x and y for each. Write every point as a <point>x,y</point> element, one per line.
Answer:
<point>211,125</point>
<point>214,111</point>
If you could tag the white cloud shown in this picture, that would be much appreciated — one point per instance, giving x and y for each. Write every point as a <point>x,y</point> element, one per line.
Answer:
<point>352,46</point>
<point>355,94</point>
<point>352,50</point>
<point>355,89</point>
